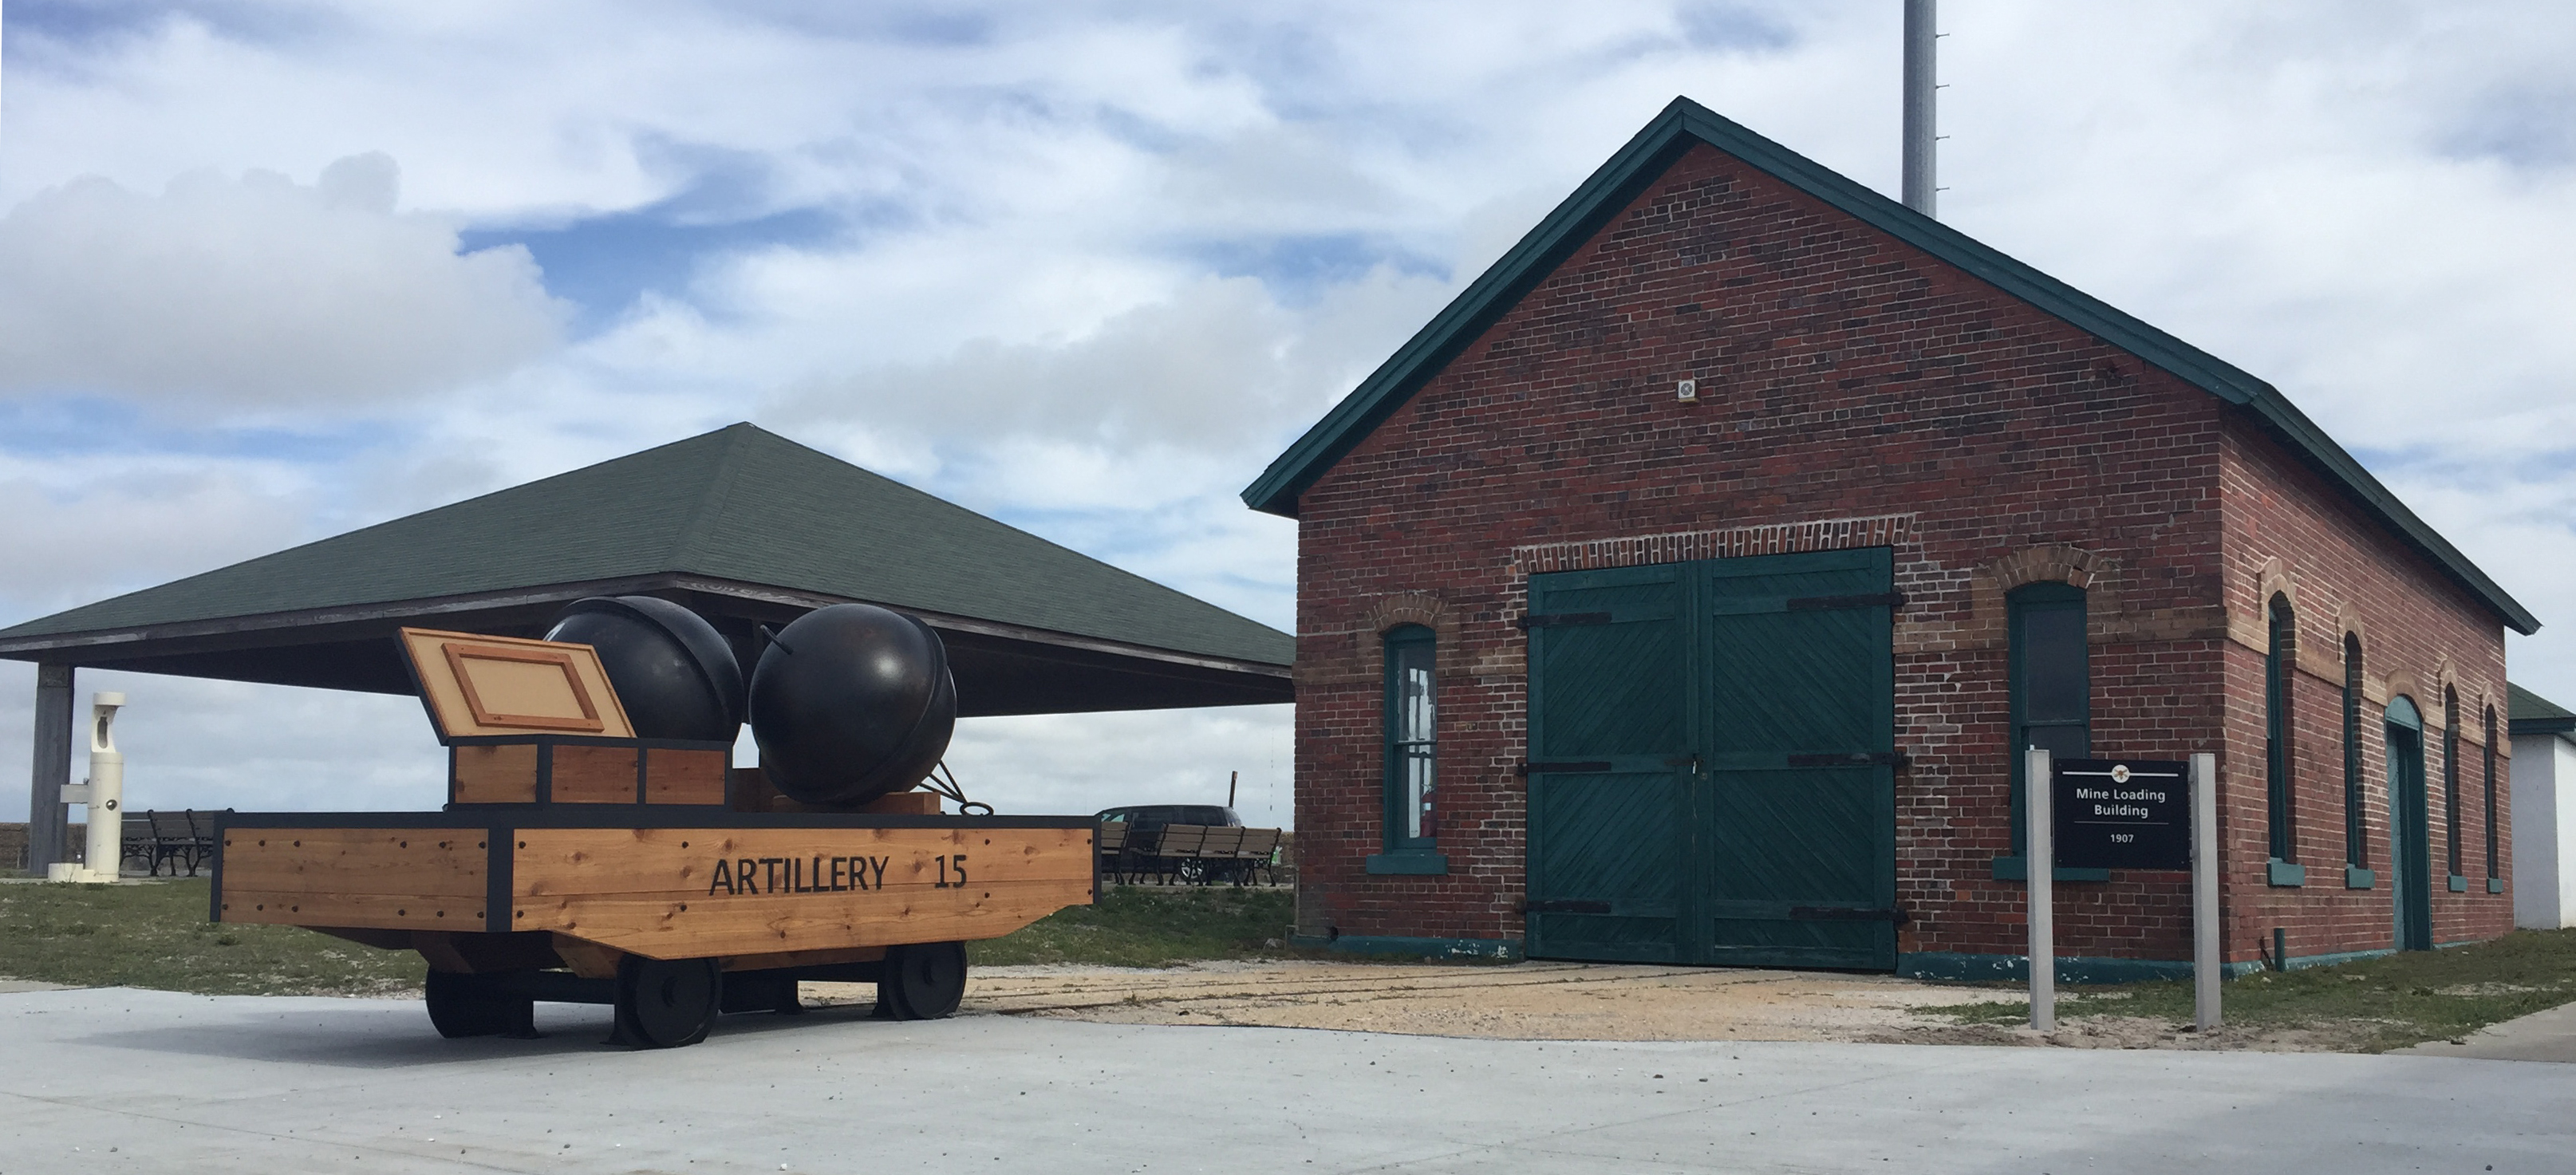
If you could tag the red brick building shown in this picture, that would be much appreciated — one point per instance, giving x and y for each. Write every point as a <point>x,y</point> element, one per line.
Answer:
<point>1682,591</point>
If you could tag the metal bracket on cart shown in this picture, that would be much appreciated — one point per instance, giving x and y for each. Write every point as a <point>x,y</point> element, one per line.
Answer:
<point>944,782</point>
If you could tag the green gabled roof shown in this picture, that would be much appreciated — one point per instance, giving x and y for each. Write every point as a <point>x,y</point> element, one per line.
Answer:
<point>739,504</point>
<point>1686,123</point>
<point>2529,713</point>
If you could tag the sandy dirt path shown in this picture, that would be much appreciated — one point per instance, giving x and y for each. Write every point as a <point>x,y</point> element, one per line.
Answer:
<point>1527,1001</point>
<point>1565,1001</point>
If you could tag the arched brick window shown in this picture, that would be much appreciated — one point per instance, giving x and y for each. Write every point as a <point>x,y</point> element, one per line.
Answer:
<point>2279,662</point>
<point>2050,683</point>
<point>2493,872</point>
<point>2356,845</point>
<point>1412,741</point>
<point>2451,778</point>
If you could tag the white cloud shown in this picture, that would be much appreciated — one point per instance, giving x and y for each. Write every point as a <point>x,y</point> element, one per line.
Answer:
<point>2284,186</point>
<point>1220,367</point>
<point>193,743</point>
<point>75,530</point>
<point>1081,763</point>
<point>1060,283</point>
<point>256,292</point>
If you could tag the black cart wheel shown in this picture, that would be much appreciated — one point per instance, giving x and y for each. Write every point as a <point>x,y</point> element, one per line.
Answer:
<point>466,1005</point>
<point>666,1003</point>
<point>922,981</point>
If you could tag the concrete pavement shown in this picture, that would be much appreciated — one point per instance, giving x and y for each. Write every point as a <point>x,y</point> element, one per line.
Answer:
<point>2540,1036</point>
<point>193,1083</point>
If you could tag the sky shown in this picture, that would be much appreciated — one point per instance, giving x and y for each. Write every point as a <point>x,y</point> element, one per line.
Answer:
<point>270,271</point>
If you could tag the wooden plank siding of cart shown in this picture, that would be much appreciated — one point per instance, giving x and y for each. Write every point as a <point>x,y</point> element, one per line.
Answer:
<point>750,888</point>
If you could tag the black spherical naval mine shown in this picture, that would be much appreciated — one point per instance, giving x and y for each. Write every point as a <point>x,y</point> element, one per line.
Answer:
<point>851,702</point>
<point>673,671</point>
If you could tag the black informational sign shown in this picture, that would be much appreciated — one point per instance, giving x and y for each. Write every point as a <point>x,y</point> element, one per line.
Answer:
<point>2120,814</point>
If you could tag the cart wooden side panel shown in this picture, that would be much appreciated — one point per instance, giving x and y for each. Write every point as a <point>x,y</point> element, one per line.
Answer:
<point>390,878</point>
<point>727,885</point>
<point>685,893</point>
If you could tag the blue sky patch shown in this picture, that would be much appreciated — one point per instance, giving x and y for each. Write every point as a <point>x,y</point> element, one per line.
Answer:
<point>2521,128</point>
<point>36,26</point>
<point>73,425</point>
<point>1298,268</point>
<point>1733,26</point>
<point>604,263</point>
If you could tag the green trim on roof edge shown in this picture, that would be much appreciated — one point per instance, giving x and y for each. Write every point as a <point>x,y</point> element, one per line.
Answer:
<point>1644,159</point>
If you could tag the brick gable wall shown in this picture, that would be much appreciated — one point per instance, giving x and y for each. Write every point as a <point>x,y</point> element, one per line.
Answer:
<point>1854,392</point>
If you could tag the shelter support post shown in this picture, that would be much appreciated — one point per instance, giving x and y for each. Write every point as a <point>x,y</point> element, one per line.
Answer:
<point>2040,824</point>
<point>47,817</point>
<point>2204,891</point>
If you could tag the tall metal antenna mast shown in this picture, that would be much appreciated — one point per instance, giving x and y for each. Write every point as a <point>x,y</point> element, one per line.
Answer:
<point>1920,86</point>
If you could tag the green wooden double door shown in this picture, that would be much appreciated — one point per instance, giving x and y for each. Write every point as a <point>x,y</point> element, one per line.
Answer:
<point>1712,762</point>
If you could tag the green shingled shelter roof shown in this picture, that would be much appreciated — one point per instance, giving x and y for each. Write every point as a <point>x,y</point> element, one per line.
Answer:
<point>2532,714</point>
<point>739,504</point>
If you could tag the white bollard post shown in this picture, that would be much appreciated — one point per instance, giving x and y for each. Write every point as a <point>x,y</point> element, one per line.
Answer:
<point>2205,965</point>
<point>2041,857</point>
<point>104,794</point>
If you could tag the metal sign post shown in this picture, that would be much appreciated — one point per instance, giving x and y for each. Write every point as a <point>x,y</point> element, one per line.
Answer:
<point>2204,891</point>
<point>2041,857</point>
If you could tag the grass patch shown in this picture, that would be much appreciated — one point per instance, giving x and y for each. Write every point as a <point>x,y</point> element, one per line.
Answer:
<point>1151,926</point>
<point>2372,1006</point>
<point>156,935</point>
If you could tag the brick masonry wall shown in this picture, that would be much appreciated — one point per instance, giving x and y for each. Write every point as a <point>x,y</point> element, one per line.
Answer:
<point>1854,391</point>
<point>2290,534</point>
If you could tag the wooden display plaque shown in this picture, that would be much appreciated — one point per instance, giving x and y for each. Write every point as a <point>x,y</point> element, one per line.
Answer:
<point>480,686</point>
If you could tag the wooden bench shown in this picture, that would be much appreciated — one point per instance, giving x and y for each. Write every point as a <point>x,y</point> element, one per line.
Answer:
<point>1175,844</point>
<point>201,838</point>
<point>1200,854</point>
<point>173,841</point>
<point>1112,847</point>
<point>134,840</point>
<point>1260,847</point>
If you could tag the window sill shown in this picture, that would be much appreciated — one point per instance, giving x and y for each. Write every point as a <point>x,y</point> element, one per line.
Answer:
<point>1408,863</point>
<point>2459,884</point>
<point>2495,885</point>
<point>2014,869</point>
<point>2356,877</point>
<point>2284,874</point>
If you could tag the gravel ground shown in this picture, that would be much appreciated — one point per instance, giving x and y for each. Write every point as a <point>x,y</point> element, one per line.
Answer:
<point>1564,1001</point>
<point>1527,1001</point>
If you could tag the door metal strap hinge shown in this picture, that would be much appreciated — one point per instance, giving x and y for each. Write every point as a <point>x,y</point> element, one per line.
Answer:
<point>1530,620</point>
<point>1852,759</point>
<point>1831,603</point>
<point>1563,906</point>
<point>1847,914</point>
<point>1527,769</point>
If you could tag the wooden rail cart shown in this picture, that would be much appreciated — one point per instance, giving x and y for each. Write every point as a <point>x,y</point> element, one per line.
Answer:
<point>644,874</point>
